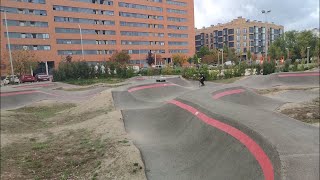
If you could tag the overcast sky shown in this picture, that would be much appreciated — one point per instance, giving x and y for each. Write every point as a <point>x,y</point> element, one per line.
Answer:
<point>292,14</point>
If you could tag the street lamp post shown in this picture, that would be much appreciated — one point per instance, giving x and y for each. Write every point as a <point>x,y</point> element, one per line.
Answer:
<point>81,41</point>
<point>9,45</point>
<point>266,13</point>
<point>288,53</point>
<point>222,59</point>
<point>308,48</point>
<point>218,58</point>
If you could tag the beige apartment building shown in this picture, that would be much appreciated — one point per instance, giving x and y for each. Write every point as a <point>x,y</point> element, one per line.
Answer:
<point>241,34</point>
<point>94,29</point>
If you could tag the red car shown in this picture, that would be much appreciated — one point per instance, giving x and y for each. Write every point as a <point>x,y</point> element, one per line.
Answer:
<point>42,77</point>
<point>27,78</point>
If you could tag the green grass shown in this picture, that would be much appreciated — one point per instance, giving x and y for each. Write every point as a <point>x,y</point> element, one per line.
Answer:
<point>85,82</point>
<point>44,112</point>
<point>227,81</point>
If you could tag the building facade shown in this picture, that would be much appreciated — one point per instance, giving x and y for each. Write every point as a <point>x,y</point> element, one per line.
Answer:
<point>241,34</point>
<point>94,29</point>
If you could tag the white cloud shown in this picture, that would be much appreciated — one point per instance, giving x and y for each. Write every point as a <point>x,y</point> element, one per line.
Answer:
<point>290,13</point>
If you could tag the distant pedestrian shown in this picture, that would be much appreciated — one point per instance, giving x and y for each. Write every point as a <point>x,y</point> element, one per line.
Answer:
<point>202,79</point>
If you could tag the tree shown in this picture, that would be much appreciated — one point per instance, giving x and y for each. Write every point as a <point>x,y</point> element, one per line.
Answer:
<point>179,59</point>
<point>23,61</point>
<point>68,59</point>
<point>211,58</point>
<point>190,60</point>
<point>249,55</point>
<point>195,59</point>
<point>121,57</point>
<point>203,51</point>
<point>150,58</point>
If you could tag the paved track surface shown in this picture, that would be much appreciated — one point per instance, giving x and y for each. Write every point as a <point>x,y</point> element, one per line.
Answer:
<point>219,131</point>
<point>213,132</point>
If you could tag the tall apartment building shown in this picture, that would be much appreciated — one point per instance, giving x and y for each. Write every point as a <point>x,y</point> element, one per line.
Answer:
<point>241,34</point>
<point>53,28</point>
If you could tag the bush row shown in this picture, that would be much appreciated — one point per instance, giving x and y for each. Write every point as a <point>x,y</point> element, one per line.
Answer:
<point>82,70</point>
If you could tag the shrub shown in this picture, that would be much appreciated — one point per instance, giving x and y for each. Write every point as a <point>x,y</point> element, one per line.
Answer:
<point>214,75</point>
<point>258,69</point>
<point>286,66</point>
<point>295,66</point>
<point>268,67</point>
<point>190,73</point>
<point>167,70</point>
<point>228,73</point>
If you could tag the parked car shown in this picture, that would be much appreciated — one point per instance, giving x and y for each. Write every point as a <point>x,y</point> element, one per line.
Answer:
<point>14,78</point>
<point>42,77</point>
<point>161,79</point>
<point>27,78</point>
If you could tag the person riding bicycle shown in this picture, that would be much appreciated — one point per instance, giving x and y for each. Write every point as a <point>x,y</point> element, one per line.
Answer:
<point>202,79</point>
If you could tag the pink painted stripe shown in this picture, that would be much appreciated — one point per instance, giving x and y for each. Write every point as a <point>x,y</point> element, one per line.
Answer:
<point>35,85</point>
<point>251,145</point>
<point>226,93</point>
<point>299,75</point>
<point>149,86</point>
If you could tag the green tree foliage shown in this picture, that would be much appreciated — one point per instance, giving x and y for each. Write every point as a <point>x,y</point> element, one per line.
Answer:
<point>249,55</point>
<point>203,51</point>
<point>296,42</point>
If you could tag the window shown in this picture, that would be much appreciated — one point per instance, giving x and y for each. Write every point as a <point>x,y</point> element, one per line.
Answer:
<point>244,31</point>
<point>238,31</point>
<point>174,51</point>
<point>83,10</point>
<point>238,38</point>
<point>31,47</point>
<point>84,21</point>
<point>177,27</point>
<point>177,11</point>
<point>138,6</point>
<point>230,31</point>
<point>172,35</point>
<point>177,43</point>
<point>177,3</point>
<point>177,19</point>
<point>32,1</point>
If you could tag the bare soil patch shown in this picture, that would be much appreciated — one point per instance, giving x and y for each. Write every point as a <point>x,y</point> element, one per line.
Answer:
<point>307,112</point>
<point>66,141</point>
<point>272,91</point>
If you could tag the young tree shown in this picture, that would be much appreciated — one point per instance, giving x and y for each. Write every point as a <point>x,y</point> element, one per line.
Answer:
<point>179,59</point>
<point>23,61</point>
<point>150,58</point>
<point>203,51</point>
<point>68,59</point>
<point>190,60</point>
<point>249,55</point>
<point>121,57</point>
<point>195,59</point>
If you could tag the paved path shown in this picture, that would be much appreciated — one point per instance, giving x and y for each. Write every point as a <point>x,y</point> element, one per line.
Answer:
<point>219,131</point>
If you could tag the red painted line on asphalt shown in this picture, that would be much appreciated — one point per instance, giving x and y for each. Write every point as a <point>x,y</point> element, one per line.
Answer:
<point>251,145</point>
<point>226,93</point>
<point>299,75</point>
<point>35,85</point>
<point>149,87</point>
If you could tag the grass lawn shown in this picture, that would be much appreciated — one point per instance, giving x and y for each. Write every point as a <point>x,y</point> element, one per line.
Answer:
<point>227,81</point>
<point>85,82</point>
